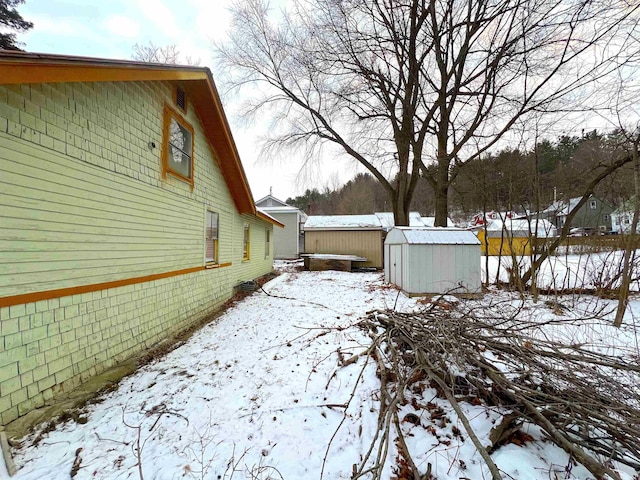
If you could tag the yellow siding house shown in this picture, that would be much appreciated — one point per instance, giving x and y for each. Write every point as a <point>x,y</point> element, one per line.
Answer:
<point>125,216</point>
<point>513,237</point>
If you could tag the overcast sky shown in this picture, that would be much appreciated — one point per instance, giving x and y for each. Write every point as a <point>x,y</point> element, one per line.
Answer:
<point>110,28</point>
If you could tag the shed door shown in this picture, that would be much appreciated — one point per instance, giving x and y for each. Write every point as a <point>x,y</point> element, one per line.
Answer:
<point>395,265</point>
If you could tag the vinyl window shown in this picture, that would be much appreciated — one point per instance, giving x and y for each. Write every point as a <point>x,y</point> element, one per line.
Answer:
<point>211,238</point>
<point>246,244</point>
<point>267,242</point>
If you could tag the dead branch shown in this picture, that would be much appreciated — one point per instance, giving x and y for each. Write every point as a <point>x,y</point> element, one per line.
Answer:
<point>584,400</point>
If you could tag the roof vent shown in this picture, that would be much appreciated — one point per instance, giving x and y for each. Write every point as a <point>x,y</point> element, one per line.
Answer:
<point>181,100</point>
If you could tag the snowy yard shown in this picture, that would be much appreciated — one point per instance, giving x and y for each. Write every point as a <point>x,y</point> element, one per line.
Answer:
<point>260,394</point>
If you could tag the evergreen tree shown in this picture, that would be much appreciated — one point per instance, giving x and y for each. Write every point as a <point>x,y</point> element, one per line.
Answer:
<point>12,20</point>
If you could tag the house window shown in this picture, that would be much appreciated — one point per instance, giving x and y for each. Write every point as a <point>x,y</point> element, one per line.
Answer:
<point>267,242</point>
<point>211,238</point>
<point>605,217</point>
<point>177,152</point>
<point>246,244</point>
<point>593,204</point>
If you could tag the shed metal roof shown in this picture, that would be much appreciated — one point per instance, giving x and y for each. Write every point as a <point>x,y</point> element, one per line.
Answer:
<point>431,236</point>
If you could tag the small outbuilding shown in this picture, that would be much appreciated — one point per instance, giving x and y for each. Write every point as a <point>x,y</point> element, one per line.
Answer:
<point>432,260</point>
<point>287,241</point>
<point>360,235</point>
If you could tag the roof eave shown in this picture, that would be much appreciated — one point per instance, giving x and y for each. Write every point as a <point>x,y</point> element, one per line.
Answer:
<point>268,218</point>
<point>333,229</point>
<point>197,81</point>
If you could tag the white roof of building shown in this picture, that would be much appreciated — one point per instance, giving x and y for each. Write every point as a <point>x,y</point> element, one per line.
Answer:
<point>388,222</point>
<point>271,204</point>
<point>287,209</point>
<point>271,201</point>
<point>562,207</point>
<point>431,221</point>
<point>342,222</point>
<point>539,227</point>
<point>377,221</point>
<point>431,236</point>
<point>267,215</point>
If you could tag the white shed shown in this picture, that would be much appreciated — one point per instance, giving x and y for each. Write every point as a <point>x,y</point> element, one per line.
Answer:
<point>432,260</point>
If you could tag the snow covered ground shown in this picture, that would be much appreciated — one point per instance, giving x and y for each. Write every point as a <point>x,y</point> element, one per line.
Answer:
<point>259,394</point>
<point>586,271</point>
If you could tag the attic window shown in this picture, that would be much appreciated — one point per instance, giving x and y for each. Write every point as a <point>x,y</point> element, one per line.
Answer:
<point>177,148</point>
<point>181,99</point>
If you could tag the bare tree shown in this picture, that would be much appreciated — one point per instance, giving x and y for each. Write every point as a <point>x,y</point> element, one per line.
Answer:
<point>400,85</point>
<point>169,54</point>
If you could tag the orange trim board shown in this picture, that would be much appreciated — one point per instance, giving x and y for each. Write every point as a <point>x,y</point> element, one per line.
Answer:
<point>38,73</point>
<point>64,292</point>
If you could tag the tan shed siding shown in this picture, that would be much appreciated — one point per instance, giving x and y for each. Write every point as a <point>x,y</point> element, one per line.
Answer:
<point>365,243</point>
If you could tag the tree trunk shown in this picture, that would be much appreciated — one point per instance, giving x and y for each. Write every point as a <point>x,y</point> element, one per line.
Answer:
<point>629,251</point>
<point>401,214</point>
<point>400,208</point>
<point>442,187</point>
<point>442,209</point>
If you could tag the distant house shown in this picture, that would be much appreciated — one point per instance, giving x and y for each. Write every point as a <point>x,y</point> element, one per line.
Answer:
<point>594,215</point>
<point>126,216</point>
<point>486,217</point>
<point>622,216</point>
<point>361,235</point>
<point>287,241</point>
<point>513,236</point>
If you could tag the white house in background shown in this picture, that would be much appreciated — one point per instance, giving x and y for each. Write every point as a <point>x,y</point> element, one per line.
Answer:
<point>287,241</point>
<point>423,260</point>
<point>622,217</point>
